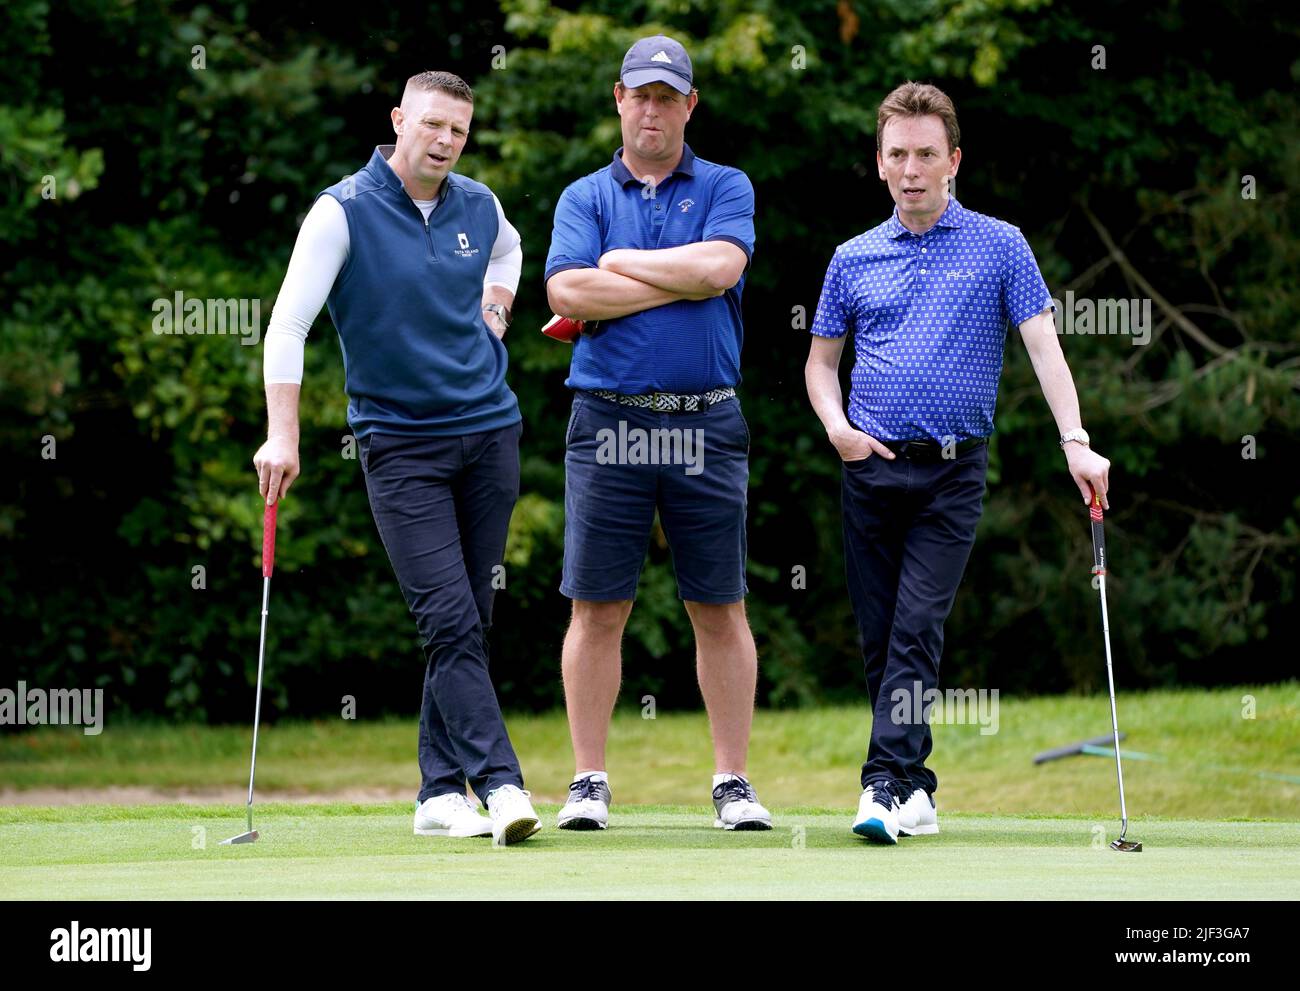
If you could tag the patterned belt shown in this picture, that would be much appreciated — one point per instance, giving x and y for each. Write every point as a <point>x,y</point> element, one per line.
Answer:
<point>669,402</point>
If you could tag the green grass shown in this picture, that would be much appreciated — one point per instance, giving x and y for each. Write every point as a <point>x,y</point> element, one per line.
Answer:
<point>650,852</point>
<point>1010,829</point>
<point>804,758</point>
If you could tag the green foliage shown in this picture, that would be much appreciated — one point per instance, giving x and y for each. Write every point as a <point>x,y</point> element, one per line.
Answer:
<point>1128,181</point>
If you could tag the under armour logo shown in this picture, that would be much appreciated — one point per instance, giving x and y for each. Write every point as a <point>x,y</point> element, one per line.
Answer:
<point>660,57</point>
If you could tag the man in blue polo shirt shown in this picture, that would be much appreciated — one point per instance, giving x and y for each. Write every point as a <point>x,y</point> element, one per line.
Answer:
<point>654,247</point>
<point>419,267</point>
<point>927,295</point>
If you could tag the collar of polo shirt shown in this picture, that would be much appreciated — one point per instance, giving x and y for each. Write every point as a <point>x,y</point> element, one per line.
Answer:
<point>951,217</point>
<point>389,177</point>
<point>623,175</point>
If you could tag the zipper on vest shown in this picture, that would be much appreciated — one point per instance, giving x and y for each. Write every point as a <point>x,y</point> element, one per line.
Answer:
<point>428,239</point>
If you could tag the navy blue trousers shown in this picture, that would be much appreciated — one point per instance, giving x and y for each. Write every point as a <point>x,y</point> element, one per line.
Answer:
<point>908,531</point>
<point>442,506</point>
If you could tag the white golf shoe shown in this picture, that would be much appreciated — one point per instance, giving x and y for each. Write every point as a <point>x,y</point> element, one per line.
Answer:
<point>513,818</point>
<point>737,806</point>
<point>450,815</point>
<point>877,815</point>
<point>916,816</point>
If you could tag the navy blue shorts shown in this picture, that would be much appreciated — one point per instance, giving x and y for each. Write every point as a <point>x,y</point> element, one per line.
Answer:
<point>621,465</point>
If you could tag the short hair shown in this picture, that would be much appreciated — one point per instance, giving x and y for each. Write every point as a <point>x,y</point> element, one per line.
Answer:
<point>441,82</point>
<point>919,100</point>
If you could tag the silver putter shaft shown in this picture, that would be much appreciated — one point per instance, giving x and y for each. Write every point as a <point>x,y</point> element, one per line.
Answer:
<point>1099,569</point>
<point>268,564</point>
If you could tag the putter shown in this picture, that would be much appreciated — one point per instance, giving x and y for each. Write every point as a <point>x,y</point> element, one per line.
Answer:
<point>1099,569</point>
<point>268,563</point>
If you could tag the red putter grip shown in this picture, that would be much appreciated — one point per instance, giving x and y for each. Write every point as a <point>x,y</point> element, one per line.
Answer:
<point>564,329</point>
<point>1098,537</point>
<point>268,540</point>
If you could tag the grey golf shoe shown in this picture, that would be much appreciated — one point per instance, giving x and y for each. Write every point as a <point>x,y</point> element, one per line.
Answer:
<point>737,806</point>
<point>587,806</point>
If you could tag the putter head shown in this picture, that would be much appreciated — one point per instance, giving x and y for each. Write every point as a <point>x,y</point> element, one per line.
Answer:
<point>251,835</point>
<point>1123,846</point>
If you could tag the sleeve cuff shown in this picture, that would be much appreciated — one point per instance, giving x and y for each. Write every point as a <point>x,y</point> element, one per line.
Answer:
<point>749,255</point>
<point>1046,304</point>
<point>565,267</point>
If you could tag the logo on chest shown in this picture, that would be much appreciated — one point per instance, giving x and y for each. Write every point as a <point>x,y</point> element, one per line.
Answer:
<point>465,251</point>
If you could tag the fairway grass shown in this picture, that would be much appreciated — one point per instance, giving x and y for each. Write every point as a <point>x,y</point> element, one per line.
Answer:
<point>649,852</point>
<point>1213,750</point>
<point>1212,827</point>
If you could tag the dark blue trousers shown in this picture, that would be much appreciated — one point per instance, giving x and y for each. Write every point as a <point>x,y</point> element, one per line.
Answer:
<point>908,531</point>
<point>442,506</point>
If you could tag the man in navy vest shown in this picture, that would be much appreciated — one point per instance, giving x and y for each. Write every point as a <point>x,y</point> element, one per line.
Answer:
<point>419,267</point>
<point>927,296</point>
<point>654,246</point>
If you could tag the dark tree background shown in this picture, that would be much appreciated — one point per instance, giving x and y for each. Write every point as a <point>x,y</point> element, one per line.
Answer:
<point>1167,173</point>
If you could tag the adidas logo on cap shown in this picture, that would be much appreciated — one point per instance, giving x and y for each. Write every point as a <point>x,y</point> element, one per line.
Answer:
<point>660,57</point>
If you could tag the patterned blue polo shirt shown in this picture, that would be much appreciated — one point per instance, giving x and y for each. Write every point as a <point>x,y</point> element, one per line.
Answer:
<point>929,314</point>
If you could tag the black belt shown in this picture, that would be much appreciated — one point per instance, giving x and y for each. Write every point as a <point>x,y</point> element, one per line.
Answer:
<point>932,450</point>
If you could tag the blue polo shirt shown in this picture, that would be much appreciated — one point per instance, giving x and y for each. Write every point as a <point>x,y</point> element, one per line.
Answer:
<point>929,315</point>
<point>682,347</point>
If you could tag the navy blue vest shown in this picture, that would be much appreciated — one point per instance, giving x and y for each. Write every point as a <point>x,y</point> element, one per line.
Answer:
<point>418,357</point>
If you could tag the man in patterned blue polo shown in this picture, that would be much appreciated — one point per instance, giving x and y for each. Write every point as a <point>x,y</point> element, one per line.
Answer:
<point>927,296</point>
<point>654,246</point>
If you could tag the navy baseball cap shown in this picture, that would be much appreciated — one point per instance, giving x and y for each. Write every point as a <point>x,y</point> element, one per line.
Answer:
<point>657,60</point>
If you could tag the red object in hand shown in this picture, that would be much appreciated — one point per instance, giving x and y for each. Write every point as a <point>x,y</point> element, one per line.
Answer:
<point>268,539</point>
<point>563,329</point>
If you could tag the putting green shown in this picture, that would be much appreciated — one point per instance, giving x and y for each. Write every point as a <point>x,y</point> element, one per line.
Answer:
<point>650,852</point>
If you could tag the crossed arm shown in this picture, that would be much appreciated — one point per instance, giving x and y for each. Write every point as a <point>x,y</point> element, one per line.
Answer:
<point>629,281</point>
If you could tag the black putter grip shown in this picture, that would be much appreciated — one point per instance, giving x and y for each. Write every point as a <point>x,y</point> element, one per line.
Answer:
<point>1098,537</point>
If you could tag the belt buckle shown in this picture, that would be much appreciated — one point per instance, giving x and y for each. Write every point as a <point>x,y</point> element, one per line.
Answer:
<point>915,450</point>
<point>655,403</point>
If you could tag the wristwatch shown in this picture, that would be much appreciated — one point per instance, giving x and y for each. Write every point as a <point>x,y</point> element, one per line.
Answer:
<point>503,312</point>
<point>1077,434</point>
